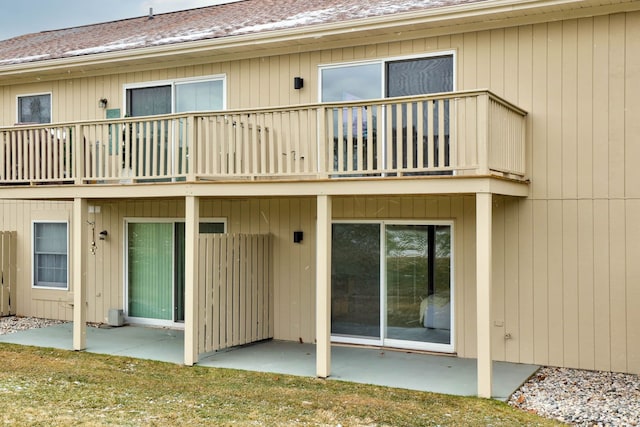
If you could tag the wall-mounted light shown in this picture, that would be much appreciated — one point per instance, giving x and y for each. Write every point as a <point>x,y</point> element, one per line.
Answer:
<point>298,82</point>
<point>103,235</point>
<point>297,236</point>
<point>102,103</point>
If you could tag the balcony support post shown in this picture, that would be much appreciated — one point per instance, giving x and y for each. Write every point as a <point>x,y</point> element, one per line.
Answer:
<point>323,287</point>
<point>483,292</point>
<point>191,323</point>
<point>79,273</point>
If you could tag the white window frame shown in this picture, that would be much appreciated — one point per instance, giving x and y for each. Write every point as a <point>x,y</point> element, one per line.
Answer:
<point>173,83</point>
<point>396,343</point>
<point>383,73</point>
<point>25,95</point>
<point>34,285</point>
<point>382,62</point>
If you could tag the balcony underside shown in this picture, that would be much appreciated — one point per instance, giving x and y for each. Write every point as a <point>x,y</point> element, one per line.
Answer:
<point>384,186</point>
<point>452,143</point>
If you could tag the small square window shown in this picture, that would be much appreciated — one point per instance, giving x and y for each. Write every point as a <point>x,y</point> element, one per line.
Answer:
<point>50,260</point>
<point>34,109</point>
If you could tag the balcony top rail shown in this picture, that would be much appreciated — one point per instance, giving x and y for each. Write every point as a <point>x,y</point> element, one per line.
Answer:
<point>461,133</point>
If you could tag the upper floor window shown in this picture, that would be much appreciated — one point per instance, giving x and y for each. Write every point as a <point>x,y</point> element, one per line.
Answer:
<point>415,134</point>
<point>387,78</point>
<point>204,95</point>
<point>351,82</point>
<point>175,96</point>
<point>34,108</point>
<point>419,76</point>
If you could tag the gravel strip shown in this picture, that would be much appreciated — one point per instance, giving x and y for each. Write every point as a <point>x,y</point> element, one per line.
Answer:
<point>582,398</point>
<point>11,324</point>
<point>577,397</point>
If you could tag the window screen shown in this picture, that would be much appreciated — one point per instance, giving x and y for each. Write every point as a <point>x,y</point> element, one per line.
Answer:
<point>149,101</point>
<point>420,76</point>
<point>34,109</point>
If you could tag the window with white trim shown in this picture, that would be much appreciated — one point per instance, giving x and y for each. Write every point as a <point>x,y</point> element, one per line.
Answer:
<point>387,78</point>
<point>180,96</point>
<point>34,108</point>
<point>411,146</point>
<point>50,254</point>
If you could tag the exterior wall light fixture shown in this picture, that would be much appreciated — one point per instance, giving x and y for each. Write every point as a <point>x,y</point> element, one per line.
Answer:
<point>298,82</point>
<point>102,103</point>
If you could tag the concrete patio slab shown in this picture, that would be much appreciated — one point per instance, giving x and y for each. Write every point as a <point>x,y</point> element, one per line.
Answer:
<point>402,369</point>
<point>165,345</point>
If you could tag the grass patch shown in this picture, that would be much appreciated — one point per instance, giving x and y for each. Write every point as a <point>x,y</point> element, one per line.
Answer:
<point>44,387</point>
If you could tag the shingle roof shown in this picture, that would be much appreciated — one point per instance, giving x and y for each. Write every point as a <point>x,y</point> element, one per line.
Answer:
<point>232,19</point>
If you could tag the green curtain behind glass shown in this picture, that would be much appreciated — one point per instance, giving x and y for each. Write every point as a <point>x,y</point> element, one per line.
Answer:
<point>150,270</point>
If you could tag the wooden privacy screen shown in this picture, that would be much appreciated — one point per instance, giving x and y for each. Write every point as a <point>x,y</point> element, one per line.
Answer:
<point>235,290</point>
<point>8,273</point>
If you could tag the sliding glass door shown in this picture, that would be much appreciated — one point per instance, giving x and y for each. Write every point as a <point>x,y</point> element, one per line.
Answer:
<point>155,269</point>
<point>407,140</point>
<point>391,285</point>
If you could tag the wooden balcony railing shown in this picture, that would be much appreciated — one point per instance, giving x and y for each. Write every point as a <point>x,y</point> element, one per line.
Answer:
<point>461,133</point>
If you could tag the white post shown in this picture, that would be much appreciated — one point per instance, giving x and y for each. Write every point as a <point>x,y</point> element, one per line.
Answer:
<point>191,225</point>
<point>323,287</point>
<point>483,292</point>
<point>79,273</point>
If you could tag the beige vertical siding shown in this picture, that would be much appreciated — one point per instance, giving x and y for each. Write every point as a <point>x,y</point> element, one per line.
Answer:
<point>577,232</point>
<point>570,282</point>
<point>18,217</point>
<point>565,263</point>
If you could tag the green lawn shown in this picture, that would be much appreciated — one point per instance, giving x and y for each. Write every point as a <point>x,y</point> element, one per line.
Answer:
<point>51,387</point>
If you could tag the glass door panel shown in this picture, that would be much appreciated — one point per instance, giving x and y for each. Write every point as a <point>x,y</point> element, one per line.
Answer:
<point>178,275</point>
<point>438,310</point>
<point>418,287</point>
<point>150,270</point>
<point>355,280</point>
<point>150,138</point>
<point>351,125</point>
<point>407,280</point>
